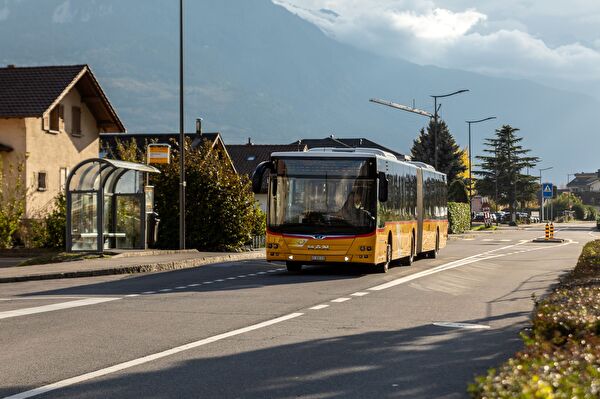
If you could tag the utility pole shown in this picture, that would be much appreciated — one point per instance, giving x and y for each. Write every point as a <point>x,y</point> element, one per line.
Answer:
<point>181,136</point>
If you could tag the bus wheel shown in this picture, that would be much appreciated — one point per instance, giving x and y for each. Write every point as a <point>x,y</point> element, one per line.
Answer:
<point>385,266</point>
<point>410,258</point>
<point>434,254</point>
<point>293,266</point>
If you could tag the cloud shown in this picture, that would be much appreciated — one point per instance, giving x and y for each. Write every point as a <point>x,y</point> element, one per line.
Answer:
<point>63,13</point>
<point>548,42</point>
<point>4,11</point>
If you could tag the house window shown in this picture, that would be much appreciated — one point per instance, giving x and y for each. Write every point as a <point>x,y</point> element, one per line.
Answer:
<point>76,121</point>
<point>42,180</point>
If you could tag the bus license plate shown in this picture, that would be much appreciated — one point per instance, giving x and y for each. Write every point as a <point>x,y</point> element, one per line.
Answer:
<point>318,257</point>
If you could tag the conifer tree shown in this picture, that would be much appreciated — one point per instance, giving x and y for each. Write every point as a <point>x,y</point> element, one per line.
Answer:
<point>449,154</point>
<point>500,172</point>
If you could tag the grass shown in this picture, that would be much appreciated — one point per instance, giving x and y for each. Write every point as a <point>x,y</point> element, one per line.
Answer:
<point>482,227</point>
<point>59,257</point>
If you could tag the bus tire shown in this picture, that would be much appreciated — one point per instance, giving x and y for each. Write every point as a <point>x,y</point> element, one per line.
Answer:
<point>385,266</point>
<point>434,253</point>
<point>407,261</point>
<point>293,267</point>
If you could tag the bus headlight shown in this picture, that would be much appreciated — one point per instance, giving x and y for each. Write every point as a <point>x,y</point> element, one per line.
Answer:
<point>291,257</point>
<point>346,259</point>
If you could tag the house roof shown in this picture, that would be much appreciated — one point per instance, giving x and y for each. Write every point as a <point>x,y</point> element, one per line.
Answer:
<point>34,91</point>
<point>246,157</point>
<point>346,143</point>
<point>583,179</point>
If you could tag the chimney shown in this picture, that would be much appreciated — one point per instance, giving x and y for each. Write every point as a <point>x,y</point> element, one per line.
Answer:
<point>249,141</point>
<point>10,66</point>
<point>199,126</point>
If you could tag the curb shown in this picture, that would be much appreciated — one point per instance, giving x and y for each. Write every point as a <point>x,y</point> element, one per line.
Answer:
<point>141,268</point>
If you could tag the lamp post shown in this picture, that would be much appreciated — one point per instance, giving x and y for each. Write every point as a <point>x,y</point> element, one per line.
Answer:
<point>181,136</point>
<point>471,165</point>
<point>435,119</point>
<point>542,192</point>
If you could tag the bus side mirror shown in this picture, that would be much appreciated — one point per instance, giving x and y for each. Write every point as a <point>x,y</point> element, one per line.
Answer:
<point>382,195</point>
<point>259,172</point>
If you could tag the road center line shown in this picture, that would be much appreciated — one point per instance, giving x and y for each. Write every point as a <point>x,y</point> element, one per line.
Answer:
<point>457,263</point>
<point>148,358</point>
<point>319,307</point>
<point>339,300</point>
<point>54,306</point>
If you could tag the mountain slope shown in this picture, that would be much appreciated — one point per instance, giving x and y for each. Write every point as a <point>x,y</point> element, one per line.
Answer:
<point>253,69</point>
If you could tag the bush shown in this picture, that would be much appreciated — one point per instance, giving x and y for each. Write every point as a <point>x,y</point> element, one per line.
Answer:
<point>588,264</point>
<point>12,202</point>
<point>259,223</point>
<point>581,211</point>
<point>459,217</point>
<point>544,371</point>
<point>592,213</point>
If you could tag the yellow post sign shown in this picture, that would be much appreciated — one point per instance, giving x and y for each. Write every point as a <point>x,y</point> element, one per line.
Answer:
<point>159,153</point>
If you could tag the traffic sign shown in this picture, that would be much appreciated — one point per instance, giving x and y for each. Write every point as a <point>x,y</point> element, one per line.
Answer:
<point>547,190</point>
<point>159,153</point>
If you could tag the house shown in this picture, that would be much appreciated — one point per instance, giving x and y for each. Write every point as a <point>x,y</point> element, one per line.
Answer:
<point>246,158</point>
<point>587,187</point>
<point>50,120</point>
<point>108,142</point>
<point>335,142</point>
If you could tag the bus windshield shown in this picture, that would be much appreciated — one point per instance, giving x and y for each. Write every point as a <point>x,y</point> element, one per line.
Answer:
<point>323,196</point>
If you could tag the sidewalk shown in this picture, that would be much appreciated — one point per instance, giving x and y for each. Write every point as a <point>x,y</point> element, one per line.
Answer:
<point>123,264</point>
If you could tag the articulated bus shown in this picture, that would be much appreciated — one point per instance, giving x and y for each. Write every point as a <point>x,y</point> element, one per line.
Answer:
<point>357,206</point>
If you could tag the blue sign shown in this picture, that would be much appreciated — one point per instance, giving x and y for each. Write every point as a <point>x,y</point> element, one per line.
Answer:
<point>547,190</point>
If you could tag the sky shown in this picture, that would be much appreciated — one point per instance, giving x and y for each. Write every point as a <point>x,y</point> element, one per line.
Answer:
<point>556,43</point>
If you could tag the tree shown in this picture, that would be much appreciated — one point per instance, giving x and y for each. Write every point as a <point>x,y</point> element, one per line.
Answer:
<point>12,200</point>
<point>500,174</point>
<point>220,211</point>
<point>449,153</point>
<point>457,192</point>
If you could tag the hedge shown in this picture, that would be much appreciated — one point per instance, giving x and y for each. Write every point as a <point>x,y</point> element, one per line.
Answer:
<point>459,217</point>
<point>561,358</point>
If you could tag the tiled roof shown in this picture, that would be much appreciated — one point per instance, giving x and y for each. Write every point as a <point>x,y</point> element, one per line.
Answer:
<point>583,180</point>
<point>346,143</point>
<point>29,91</point>
<point>246,157</point>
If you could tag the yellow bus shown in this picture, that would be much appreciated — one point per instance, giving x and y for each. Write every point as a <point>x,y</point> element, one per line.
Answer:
<point>351,206</point>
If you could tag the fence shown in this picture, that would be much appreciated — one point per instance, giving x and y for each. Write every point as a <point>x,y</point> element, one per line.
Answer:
<point>258,242</point>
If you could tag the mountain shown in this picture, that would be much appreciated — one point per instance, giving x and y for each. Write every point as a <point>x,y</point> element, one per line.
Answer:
<point>253,69</point>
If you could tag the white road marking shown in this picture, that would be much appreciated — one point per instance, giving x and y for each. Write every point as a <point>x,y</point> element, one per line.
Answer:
<point>468,239</point>
<point>360,294</point>
<point>457,263</point>
<point>487,239</point>
<point>207,282</point>
<point>241,276</point>
<point>131,295</point>
<point>219,280</point>
<point>319,307</point>
<point>149,292</point>
<point>148,358</point>
<point>271,271</point>
<point>339,300</point>
<point>43,297</point>
<point>193,285</point>
<point>54,306</point>
<point>261,273</point>
<point>461,325</point>
<point>231,278</point>
<point>180,287</point>
<point>252,275</point>
<point>165,290</point>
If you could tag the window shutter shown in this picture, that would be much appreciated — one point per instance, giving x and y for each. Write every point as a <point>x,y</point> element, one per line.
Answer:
<point>61,118</point>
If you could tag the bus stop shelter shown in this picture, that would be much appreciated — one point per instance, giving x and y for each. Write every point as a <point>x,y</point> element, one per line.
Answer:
<point>108,204</point>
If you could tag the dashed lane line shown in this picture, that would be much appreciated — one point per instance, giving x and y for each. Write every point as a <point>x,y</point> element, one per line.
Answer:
<point>339,300</point>
<point>319,307</point>
<point>359,294</point>
<point>149,358</point>
<point>54,307</point>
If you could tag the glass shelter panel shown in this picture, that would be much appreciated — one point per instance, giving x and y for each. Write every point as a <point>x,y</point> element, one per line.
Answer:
<point>128,232</point>
<point>84,221</point>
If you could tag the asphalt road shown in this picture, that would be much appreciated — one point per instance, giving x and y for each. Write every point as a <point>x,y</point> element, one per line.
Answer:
<point>251,330</point>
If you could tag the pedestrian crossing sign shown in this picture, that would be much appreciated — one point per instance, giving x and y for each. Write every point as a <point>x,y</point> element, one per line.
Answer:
<point>547,190</point>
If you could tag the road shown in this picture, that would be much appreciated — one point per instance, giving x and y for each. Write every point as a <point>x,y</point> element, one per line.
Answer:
<point>252,330</point>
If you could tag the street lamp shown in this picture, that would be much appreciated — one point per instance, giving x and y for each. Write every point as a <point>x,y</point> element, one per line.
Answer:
<point>435,119</point>
<point>181,136</point>
<point>471,164</point>
<point>542,192</point>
